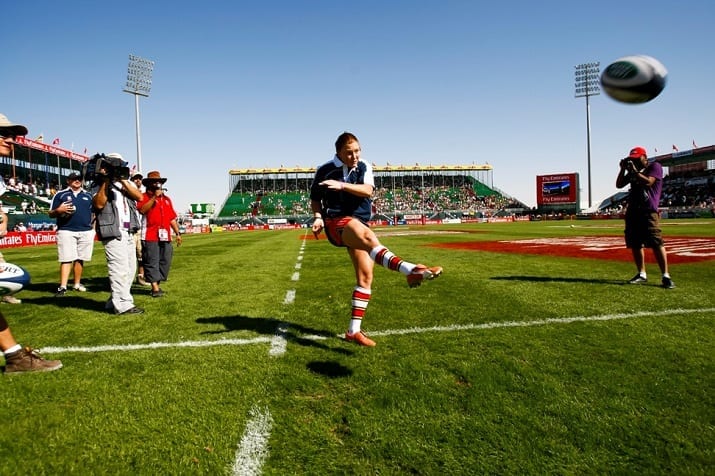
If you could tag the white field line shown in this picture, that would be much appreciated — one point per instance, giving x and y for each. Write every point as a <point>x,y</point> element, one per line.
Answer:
<point>253,449</point>
<point>279,342</point>
<point>388,332</point>
<point>540,322</point>
<point>157,345</point>
<point>290,297</point>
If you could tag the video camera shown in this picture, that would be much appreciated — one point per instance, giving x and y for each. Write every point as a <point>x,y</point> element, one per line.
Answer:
<point>116,169</point>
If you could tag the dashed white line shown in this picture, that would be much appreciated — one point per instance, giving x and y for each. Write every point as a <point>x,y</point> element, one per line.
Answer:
<point>290,297</point>
<point>280,340</point>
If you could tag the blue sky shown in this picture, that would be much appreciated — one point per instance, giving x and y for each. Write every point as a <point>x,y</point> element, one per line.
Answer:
<point>258,84</point>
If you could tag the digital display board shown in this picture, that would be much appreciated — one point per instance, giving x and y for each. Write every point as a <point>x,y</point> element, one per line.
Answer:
<point>556,189</point>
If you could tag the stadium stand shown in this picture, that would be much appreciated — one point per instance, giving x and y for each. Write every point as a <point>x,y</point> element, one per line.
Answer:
<point>434,191</point>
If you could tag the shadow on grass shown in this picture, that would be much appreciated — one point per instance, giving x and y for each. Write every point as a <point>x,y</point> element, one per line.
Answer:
<point>559,279</point>
<point>77,299</point>
<point>269,326</point>
<point>329,369</point>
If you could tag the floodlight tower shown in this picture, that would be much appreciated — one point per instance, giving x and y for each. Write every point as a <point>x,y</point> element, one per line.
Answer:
<point>587,85</point>
<point>139,84</point>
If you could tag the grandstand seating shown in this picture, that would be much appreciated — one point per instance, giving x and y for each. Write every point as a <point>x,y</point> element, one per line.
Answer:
<point>467,194</point>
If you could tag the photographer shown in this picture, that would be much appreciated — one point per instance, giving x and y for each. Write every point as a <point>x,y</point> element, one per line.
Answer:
<point>114,203</point>
<point>642,218</point>
<point>72,207</point>
<point>159,222</point>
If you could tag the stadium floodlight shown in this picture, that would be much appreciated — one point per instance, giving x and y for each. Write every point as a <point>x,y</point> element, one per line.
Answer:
<point>139,84</point>
<point>587,85</point>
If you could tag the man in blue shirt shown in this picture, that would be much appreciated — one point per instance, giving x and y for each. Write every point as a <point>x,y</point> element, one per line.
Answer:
<point>72,207</point>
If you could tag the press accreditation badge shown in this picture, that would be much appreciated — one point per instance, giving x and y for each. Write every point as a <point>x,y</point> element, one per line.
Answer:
<point>163,234</point>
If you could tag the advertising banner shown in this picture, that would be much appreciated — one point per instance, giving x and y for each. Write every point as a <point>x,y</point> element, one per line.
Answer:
<point>556,189</point>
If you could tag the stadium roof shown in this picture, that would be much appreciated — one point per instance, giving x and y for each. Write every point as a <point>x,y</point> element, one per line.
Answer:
<point>50,149</point>
<point>700,154</point>
<point>376,168</point>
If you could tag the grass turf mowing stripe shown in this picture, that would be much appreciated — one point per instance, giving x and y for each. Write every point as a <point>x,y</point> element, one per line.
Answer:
<point>412,330</point>
<point>253,449</point>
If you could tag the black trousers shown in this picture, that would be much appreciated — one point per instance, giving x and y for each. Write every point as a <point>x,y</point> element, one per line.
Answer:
<point>157,257</point>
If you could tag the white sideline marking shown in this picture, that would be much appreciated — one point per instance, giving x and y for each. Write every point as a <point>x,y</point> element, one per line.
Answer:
<point>158,345</point>
<point>539,322</point>
<point>412,330</point>
<point>295,277</point>
<point>253,449</point>
<point>280,340</point>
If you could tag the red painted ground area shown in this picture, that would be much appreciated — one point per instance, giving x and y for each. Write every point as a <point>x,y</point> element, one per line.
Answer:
<point>680,250</point>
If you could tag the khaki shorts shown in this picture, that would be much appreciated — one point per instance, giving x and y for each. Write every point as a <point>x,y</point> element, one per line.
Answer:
<point>643,230</point>
<point>74,245</point>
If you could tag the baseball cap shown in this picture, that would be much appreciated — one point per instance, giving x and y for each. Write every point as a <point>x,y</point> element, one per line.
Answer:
<point>637,153</point>
<point>137,176</point>
<point>74,176</point>
<point>115,155</point>
<point>10,128</point>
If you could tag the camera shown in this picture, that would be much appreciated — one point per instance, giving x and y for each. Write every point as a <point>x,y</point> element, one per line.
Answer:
<point>115,169</point>
<point>630,164</point>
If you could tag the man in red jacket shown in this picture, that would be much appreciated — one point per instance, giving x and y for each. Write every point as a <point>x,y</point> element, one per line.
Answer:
<point>159,222</point>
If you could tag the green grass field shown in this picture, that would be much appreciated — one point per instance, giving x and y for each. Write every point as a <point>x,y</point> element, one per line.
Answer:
<point>510,363</point>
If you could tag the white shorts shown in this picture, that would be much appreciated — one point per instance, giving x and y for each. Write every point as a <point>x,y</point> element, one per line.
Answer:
<point>74,245</point>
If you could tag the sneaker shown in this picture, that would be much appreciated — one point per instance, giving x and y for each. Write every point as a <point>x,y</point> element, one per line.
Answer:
<point>61,291</point>
<point>667,283</point>
<point>638,279</point>
<point>131,310</point>
<point>157,294</point>
<point>28,360</point>
<point>11,299</point>
<point>79,287</point>
<point>360,338</point>
<point>141,281</point>
<point>422,272</point>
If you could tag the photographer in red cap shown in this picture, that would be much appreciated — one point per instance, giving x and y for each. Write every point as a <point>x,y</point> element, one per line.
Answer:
<point>642,217</point>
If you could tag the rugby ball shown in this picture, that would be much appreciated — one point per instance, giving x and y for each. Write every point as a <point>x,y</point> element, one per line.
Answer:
<point>12,278</point>
<point>634,79</point>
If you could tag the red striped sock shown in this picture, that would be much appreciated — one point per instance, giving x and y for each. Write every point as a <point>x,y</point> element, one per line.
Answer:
<point>360,300</point>
<point>386,258</point>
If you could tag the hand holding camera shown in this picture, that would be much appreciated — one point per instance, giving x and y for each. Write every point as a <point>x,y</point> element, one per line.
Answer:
<point>629,166</point>
<point>103,176</point>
